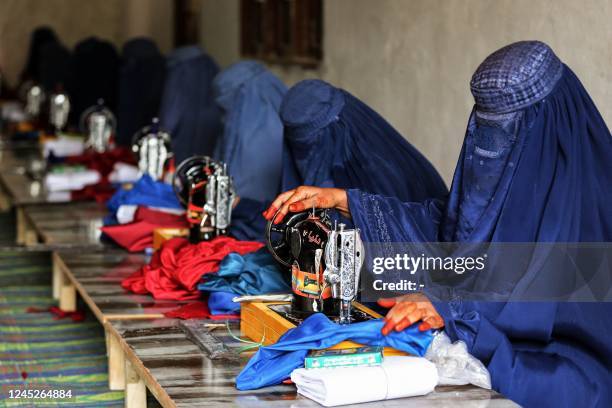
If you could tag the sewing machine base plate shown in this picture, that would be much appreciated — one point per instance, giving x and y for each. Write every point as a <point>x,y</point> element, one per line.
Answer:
<point>267,322</point>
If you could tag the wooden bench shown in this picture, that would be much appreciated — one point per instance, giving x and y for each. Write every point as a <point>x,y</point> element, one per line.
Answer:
<point>96,276</point>
<point>69,225</point>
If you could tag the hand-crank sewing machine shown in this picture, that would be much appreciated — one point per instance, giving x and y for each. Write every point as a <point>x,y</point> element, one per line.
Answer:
<point>153,149</point>
<point>325,261</point>
<point>99,124</point>
<point>59,109</point>
<point>206,190</point>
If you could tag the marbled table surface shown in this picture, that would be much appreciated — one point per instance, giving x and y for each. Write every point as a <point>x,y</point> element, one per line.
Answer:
<point>99,274</point>
<point>190,378</point>
<point>71,224</point>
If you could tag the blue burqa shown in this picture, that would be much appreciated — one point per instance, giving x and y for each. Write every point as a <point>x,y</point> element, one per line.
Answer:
<point>40,37</point>
<point>95,65</point>
<point>141,80</point>
<point>335,140</point>
<point>252,143</point>
<point>536,166</point>
<point>188,110</point>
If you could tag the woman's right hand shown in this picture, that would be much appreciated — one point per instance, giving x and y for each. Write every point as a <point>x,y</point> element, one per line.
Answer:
<point>305,197</point>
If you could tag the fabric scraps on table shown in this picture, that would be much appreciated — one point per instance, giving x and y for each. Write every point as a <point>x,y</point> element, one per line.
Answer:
<point>199,310</point>
<point>145,192</point>
<point>222,303</point>
<point>250,274</point>
<point>274,363</point>
<point>138,235</point>
<point>177,267</point>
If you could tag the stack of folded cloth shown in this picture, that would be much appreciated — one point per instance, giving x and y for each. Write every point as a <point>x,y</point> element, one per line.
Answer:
<point>105,163</point>
<point>64,146</point>
<point>396,377</point>
<point>70,179</point>
<point>274,363</point>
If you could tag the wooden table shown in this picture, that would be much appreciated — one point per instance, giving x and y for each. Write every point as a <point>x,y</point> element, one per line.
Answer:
<point>158,356</point>
<point>96,276</point>
<point>69,225</point>
<point>13,161</point>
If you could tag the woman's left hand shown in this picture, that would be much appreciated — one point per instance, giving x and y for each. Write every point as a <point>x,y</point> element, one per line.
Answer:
<point>409,309</point>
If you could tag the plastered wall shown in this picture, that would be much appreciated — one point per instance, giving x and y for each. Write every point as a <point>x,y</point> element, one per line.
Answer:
<point>73,20</point>
<point>411,60</point>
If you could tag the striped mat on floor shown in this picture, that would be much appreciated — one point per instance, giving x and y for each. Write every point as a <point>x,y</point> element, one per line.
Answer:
<point>8,231</point>
<point>37,351</point>
<point>24,266</point>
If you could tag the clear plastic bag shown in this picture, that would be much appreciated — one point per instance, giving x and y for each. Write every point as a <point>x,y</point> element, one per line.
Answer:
<point>456,366</point>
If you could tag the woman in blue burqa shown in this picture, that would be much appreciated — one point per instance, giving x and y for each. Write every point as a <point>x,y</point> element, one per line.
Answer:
<point>251,146</point>
<point>141,80</point>
<point>188,110</point>
<point>332,139</point>
<point>535,167</point>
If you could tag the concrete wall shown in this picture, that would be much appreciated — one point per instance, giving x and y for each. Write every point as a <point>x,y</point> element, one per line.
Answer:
<point>73,20</point>
<point>411,60</point>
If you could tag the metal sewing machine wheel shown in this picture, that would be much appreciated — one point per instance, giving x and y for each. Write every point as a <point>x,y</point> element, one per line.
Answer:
<point>325,263</point>
<point>59,109</point>
<point>206,190</point>
<point>153,149</point>
<point>99,124</point>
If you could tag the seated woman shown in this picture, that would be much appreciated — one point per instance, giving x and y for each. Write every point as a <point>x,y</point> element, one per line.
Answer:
<point>335,140</point>
<point>95,66</point>
<point>250,97</point>
<point>188,110</point>
<point>536,166</point>
<point>251,145</point>
<point>141,80</point>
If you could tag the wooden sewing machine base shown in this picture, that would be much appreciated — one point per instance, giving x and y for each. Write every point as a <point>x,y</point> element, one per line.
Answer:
<point>261,323</point>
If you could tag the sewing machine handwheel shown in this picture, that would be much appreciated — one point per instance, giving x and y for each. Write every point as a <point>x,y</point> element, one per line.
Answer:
<point>187,169</point>
<point>279,246</point>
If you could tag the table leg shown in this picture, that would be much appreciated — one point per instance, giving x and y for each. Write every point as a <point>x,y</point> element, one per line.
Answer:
<point>116,363</point>
<point>67,295</point>
<point>135,389</point>
<point>58,279</point>
<point>21,228</point>
<point>5,200</point>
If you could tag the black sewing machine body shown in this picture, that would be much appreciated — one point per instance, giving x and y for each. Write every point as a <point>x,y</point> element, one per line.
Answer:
<point>99,124</point>
<point>153,149</point>
<point>324,261</point>
<point>204,187</point>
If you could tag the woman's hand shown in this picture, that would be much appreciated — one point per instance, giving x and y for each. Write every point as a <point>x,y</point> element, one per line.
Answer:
<point>305,197</point>
<point>409,309</point>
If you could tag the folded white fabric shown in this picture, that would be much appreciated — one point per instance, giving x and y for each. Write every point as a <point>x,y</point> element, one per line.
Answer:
<point>126,213</point>
<point>124,173</point>
<point>70,181</point>
<point>397,377</point>
<point>64,146</point>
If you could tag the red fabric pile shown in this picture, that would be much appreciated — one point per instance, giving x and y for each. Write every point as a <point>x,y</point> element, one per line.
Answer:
<point>103,163</point>
<point>76,316</point>
<point>138,235</point>
<point>177,267</point>
<point>197,310</point>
